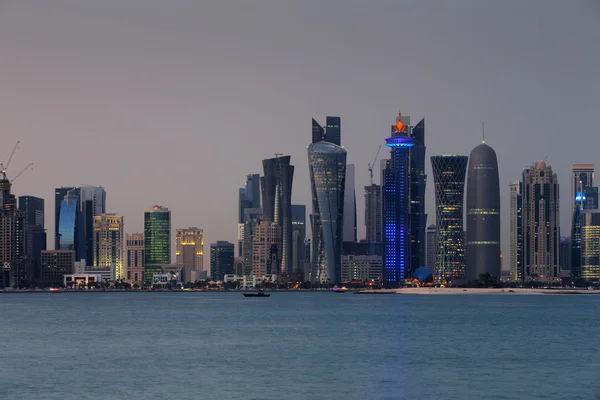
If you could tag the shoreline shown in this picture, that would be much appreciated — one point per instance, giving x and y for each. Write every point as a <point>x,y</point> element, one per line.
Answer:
<point>463,291</point>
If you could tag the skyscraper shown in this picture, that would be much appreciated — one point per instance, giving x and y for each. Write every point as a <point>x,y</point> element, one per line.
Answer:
<point>418,184</point>
<point>135,257</point>
<point>265,246</point>
<point>277,204</point>
<point>449,178</point>
<point>157,240</point>
<point>349,206</point>
<point>396,205</point>
<point>190,250</point>
<point>483,214</point>
<point>373,213</point>
<point>541,224</point>
<point>431,246</point>
<point>252,217</point>
<point>221,259</point>
<point>332,132</point>
<point>584,196</point>
<point>249,196</point>
<point>108,243</point>
<point>15,268</point>
<point>327,168</point>
<point>70,232</point>
<point>516,231</point>
<point>590,245</point>
<point>35,237</point>
<point>298,237</point>
<point>582,178</point>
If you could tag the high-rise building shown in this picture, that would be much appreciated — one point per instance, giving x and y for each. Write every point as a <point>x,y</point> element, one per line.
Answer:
<point>108,243</point>
<point>362,262</point>
<point>35,237</point>
<point>327,168</point>
<point>584,196</point>
<point>516,231</point>
<point>70,228</point>
<point>252,217</point>
<point>483,214</point>
<point>582,178</point>
<point>135,257</point>
<point>265,247</point>
<point>332,132</point>
<point>431,246</point>
<point>93,204</point>
<point>373,213</point>
<point>449,178</point>
<point>249,195</point>
<point>56,264</point>
<point>190,250</point>
<point>541,224</point>
<point>298,237</point>
<point>590,245</point>
<point>221,259</point>
<point>277,204</point>
<point>59,196</point>
<point>418,184</point>
<point>157,240</point>
<point>564,255</point>
<point>396,205</point>
<point>15,267</point>
<point>350,231</point>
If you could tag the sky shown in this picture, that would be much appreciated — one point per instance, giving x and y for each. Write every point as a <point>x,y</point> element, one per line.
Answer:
<point>174,103</point>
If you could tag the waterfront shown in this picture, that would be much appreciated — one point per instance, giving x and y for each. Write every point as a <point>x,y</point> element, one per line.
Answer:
<point>298,346</point>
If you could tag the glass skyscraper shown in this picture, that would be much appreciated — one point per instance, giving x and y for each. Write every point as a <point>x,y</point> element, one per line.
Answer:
<point>418,184</point>
<point>449,173</point>
<point>70,233</point>
<point>157,240</point>
<point>327,168</point>
<point>396,206</point>
<point>35,237</point>
<point>221,259</point>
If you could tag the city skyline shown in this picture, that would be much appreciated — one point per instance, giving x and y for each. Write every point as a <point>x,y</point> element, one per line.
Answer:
<point>494,81</point>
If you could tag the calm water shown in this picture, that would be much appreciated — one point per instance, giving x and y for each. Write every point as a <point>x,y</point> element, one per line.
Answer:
<point>298,346</point>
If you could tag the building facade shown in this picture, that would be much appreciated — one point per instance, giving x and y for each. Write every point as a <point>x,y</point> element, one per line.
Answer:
<point>221,259</point>
<point>35,236</point>
<point>15,267</point>
<point>350,231</point>
<point>108,243</point>
<point>516,231</point>
<point>157,240</point>
<point>590,245</point>
<point>190,250</point>
<point>541,224</point>
<point>327,169</point>
<point>265,248</point>
<point>396,206</point>
<point>483,214</point>
<point>449,173</point>
<point>71,234</point>
<point>252,217</point>
<point>298,238</point>
<point>431,246</point>
<point>56,264</point>
<point>418,184</point>
<point>373,213</point>
<point>135,257</point>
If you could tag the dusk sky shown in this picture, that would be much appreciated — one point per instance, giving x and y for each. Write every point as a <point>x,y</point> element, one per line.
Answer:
<point>175,102</point>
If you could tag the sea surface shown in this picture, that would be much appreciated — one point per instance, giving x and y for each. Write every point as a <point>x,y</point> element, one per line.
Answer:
<point>298,346</point>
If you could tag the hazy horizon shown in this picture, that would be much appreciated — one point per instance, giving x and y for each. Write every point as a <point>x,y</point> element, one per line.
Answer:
<point>175,103</point>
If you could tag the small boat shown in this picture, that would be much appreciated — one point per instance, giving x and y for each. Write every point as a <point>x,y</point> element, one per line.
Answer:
<point>259,294</point>
<point>343,289</point>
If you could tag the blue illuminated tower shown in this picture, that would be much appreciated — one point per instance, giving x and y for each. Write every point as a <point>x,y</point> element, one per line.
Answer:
<point>396,206</point>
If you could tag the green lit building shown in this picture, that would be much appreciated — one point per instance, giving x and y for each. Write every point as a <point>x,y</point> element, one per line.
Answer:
<point>157,240</point>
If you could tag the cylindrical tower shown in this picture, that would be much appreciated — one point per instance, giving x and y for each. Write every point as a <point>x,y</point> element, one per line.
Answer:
<point>483,214</point>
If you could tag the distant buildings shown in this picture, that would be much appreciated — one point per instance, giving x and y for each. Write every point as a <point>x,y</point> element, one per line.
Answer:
<point>483,214</point>
<point>396,205</point>
<point>265,248</point>
<point>349,234</point>
<point>516,231</point>
<point>373,213</point>
<point>15,267</point>
<point>190,250</point>
<point>108,243</point>
<point>35,236</point>
<point>541,225</point>
<point>298,238</point>
<point>221,259</point>
<point>157,240</point>
<point>449,178</point>
<point>135,257</point>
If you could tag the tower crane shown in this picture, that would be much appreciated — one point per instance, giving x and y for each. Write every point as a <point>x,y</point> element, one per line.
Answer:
<point>4,168</point>
<point>371,164</point>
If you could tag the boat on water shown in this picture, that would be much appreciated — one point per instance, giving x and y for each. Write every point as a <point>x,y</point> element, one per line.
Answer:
<point>342,289</point>
<point>259,294</point>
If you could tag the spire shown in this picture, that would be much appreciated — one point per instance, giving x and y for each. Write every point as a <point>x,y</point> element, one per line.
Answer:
<point>483,132</point>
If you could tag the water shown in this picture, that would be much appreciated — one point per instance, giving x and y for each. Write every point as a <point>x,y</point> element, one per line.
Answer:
<point>298,346</point>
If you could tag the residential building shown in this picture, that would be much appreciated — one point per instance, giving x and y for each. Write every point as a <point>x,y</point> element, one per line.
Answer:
<point>265,248</point>
<point>135,257</point>
<point>15,267</point>
<point>108,243</point>
<point>252,217</point>
<point>190,250</point>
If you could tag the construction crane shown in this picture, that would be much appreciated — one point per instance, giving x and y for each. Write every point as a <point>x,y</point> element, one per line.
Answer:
<point>371,164</point>
<point>4,168</point>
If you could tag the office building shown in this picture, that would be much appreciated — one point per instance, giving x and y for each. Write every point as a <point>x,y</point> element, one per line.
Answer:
<point>483,214</point>
<point>56,264</point>
<point>396,205</point>
<point>15,267</point>
<point>431,246</point>
<point>516,231</point>
<point>108,243</point>
<point>449,180</point>
<point>93,204</point>
<point>327,169</point>
<point>582,178</point>
<point>373,214</point>
<point>298,238</point>
<point>590,245</point>
<point>541,224</point>
<point>221,259</point>
<point>276,187</point>
<point>59,196</point>
<point>265,248</point>
<point>332,132</point>
<point>70,229</point>
<point>418,184</point>
<point>157,240</point>
<point>362,262</point>
<point>249,195</point>
<point>135,257</point>
<point>190,250</point>
<point>564,255</point>
<point>350,231</point>
<point>584,196</point>
<point>35,236</point>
